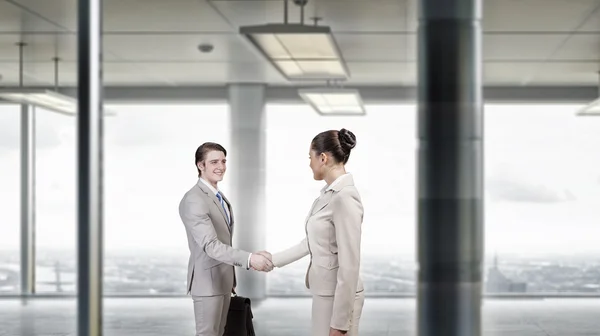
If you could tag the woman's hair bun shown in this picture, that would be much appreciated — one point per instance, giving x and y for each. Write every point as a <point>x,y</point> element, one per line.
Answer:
<point>347,140</point>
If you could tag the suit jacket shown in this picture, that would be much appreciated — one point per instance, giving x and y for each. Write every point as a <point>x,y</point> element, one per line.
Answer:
<point>210,268</point>
<point>333,236</point>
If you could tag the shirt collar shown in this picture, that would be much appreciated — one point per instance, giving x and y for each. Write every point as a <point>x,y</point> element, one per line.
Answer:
<point>210,187</point>
<point>336,182</point>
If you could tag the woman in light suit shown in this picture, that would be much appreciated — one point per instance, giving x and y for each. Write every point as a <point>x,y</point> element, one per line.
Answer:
<point>333,235</point>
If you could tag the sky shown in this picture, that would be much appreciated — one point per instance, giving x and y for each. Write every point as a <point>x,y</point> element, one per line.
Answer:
<point>542,176</point>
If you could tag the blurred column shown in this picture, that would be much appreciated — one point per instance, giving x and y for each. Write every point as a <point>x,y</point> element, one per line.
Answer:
<point>450,168</point>
<point>89,168</point>
<point>246,166</point>
<point>27,199</point>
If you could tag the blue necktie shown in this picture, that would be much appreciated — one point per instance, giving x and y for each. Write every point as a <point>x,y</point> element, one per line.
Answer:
<point>223,205</point>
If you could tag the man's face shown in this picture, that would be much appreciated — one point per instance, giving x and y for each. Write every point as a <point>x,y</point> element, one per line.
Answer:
<point>213,167</point>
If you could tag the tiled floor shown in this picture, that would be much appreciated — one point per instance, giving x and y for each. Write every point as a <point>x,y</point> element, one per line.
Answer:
<point>174,316</point>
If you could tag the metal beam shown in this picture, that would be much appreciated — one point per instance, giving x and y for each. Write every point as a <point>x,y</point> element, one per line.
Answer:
<point>89,168</point>
<point>27,200</point>
<point>450,168</point>
<point>370,94</point>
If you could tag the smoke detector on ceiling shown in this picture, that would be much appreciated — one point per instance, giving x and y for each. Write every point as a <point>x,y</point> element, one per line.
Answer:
<point>206,48</point>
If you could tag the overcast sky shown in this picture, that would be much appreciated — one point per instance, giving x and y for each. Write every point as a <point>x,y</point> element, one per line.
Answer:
<point>542,176</point>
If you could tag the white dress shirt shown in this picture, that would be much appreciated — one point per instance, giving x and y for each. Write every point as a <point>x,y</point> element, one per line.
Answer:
<point>216,191</point>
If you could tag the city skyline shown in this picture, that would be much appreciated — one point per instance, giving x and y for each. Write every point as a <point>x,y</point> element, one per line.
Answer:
<point>159,274</point>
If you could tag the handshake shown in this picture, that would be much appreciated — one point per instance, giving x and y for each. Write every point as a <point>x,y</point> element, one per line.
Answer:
<point>261,261</point>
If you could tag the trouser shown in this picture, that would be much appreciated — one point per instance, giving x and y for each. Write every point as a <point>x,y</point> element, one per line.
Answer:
<point>322,311</point>
<point>211,314</point>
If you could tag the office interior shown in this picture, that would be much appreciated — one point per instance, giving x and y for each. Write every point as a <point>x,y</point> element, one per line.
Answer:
<point>491,106</point>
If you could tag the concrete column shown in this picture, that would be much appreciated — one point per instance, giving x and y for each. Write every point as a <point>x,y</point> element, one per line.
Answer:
<point>246,167</point>
<point>89,168</point>
<point>27,200</point>
<point>450,168</point>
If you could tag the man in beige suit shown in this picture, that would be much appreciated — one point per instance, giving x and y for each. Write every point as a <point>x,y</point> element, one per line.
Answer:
<point>209,222</point>
<point>333,237</point>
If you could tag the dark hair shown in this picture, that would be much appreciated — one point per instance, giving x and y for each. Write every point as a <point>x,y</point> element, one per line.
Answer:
<point>204,149</point>
<point>337,143</point>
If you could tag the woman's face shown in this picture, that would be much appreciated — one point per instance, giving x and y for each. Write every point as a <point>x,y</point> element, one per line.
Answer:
<point>317,164</point>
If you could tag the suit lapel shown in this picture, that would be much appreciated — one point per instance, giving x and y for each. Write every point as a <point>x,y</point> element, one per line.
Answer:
<point>326,195</point>
<point>319,204</point>
<point>214,198</point>
<point>322,202</point>
<point>311,210</point>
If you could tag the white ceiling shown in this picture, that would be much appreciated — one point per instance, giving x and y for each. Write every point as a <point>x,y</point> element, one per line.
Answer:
<point>154,42</point>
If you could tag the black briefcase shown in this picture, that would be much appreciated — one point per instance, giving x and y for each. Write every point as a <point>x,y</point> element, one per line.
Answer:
<point>239,317</point>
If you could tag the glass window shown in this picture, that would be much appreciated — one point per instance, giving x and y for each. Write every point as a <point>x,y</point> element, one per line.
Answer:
<point>10,198</point>
<point>56,214</point>
<point>383,166</point>
<point>542,191</point>
<point>149,165</point>
<point>542,199</point>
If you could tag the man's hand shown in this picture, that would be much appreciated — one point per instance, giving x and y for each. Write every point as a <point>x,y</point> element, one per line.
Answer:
<point>266,254</point>
<point>335,332</point>
<point>260,263</point>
